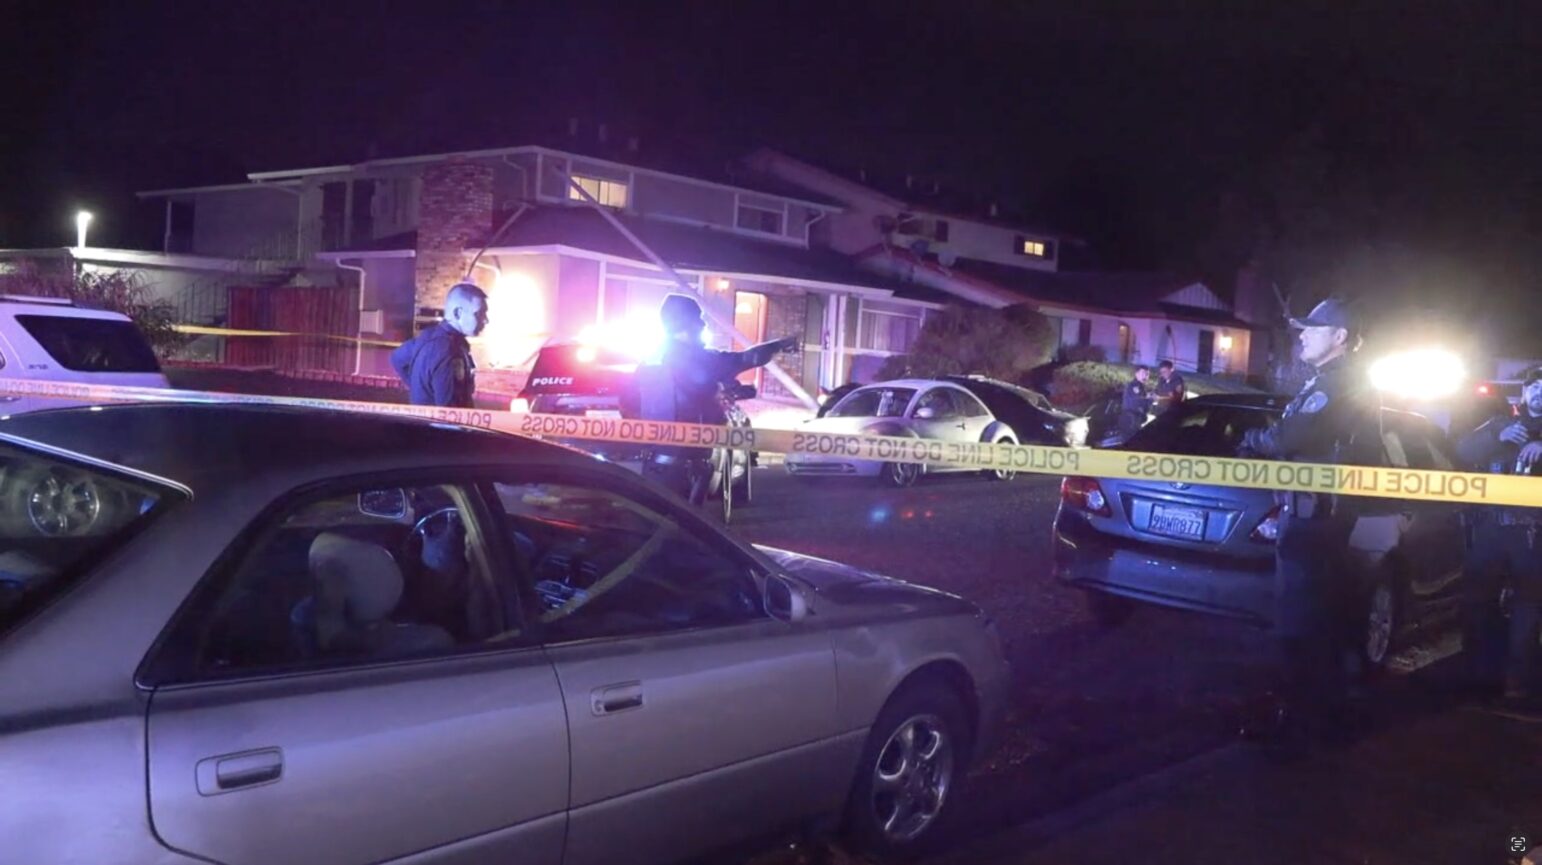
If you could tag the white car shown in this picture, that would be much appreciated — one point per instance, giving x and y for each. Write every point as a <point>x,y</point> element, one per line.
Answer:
<point>915,408</point>
<point>52,339</point>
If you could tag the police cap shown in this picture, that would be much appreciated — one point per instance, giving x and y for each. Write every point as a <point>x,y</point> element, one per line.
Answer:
<point>1333,312</point>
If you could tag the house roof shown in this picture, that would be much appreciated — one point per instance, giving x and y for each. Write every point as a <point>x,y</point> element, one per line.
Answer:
<point>684,247</point>
<point>1139,293</point>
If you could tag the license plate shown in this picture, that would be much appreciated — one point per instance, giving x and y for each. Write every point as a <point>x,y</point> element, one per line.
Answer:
<point>602,412</point>
<point>1178,522</point>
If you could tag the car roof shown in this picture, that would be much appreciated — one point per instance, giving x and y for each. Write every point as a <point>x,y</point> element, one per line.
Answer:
<point>1266,401</point>
<point>207,446</point>
<point>14,304</point>
<point>906,382</point>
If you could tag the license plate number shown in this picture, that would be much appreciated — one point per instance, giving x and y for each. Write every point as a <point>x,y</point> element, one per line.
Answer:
<point>1178,522</point>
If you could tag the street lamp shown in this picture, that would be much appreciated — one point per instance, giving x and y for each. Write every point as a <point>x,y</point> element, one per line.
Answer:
<point>82,222</point>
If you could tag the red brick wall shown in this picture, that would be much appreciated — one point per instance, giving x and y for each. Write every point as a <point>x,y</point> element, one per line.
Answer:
<point>455,209</point>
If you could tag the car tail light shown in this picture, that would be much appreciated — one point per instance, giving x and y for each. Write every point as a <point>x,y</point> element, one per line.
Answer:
<point>519,404</point>
<point>1268,529</point>
<point>1484,390</point>
<point>1085,494</point>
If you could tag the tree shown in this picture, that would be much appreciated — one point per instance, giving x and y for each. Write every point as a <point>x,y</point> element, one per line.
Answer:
<point>1001,343</point>
<point>123,291</point>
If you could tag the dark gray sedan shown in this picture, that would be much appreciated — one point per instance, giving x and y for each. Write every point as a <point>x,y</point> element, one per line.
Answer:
<point>1211,549</point>
<point>255,636</point>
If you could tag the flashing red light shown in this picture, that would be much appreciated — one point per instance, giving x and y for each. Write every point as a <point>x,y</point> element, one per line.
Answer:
<point>1484,390</point>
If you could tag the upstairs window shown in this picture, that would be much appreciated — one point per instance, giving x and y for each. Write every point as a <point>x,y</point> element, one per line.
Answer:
<point>1035,248</point>
<point>759,219</point>
<point>609,193</point>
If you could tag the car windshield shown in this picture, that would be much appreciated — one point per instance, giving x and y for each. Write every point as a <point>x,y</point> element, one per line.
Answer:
<point>874,402</point>
<point>1200,430</point>
<point>91,344</point>
<point>56,518</point>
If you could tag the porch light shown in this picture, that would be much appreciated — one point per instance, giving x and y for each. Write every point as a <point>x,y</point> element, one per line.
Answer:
<point>1225,342</point>
<point>82,222</point>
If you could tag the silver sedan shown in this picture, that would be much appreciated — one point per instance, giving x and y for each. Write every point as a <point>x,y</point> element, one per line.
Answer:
<point>253,636</point>
<point>910,408</point>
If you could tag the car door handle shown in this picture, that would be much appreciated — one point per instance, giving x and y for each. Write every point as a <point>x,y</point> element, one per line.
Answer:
<point>229,772</point>
<point>961,426</point>
<point>612,699</point>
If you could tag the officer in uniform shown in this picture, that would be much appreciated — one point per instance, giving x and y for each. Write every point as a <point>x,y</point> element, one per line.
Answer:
<point>1135,405</point>
<point>684,388</point>
<point>1170,389</point>
<point>1504,552</point>
<point>1313,594</point>
<point>436,365</point>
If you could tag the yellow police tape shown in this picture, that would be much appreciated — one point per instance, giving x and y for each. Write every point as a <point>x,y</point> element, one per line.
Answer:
<point>1395,483</point>
<point>201,330</point>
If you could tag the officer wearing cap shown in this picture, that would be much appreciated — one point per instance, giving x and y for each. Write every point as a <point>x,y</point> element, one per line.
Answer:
<point>436,365</point>
<point>1504,552</point>
<point>1312,592</point>
<point>683,387</point>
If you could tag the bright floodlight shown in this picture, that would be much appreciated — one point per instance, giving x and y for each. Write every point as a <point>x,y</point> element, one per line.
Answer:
<point>82,222</point>
<point>1428,373</point>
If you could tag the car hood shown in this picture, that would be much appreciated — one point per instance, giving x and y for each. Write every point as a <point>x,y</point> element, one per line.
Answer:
<point>855,588</point>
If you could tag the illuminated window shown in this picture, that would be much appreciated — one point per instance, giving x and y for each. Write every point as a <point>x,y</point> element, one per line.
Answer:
<point>1035,248</point>
<point>610,193</point>
<point>757,219</point>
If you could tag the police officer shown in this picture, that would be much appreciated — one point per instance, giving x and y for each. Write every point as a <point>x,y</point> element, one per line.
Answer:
<point>1503,545</point>
<point>1313,593</point>
<point>436,365</point>
<point>1170,389</point>
<point>684,387</point>
<point>1135,405</point>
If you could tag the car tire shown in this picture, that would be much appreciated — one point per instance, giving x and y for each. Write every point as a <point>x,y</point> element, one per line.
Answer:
<point>55,502</point>
<point>900,475</point>
<point>1109,611</point>
<point>743,489</point>
<point>910,774</point>
<point>1379,623</point>
<point>1002,474</point>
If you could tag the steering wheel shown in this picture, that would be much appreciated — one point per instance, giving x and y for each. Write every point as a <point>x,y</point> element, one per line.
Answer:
<point>451,516</point>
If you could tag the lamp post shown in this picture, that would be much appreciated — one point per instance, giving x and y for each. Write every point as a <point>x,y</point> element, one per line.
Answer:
<point>82,222</point>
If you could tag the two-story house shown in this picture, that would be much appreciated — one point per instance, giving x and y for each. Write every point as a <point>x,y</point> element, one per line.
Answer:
<point>909,229</point>
<point>399,232</point>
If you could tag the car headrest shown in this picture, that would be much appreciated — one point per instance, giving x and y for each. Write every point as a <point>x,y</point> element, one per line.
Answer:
<point>355,579</point>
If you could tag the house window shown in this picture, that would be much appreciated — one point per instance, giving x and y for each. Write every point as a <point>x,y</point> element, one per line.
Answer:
<point>893,332</point>
<point>758,219</point>
<point>609,193</point>
<point>1035,248</point>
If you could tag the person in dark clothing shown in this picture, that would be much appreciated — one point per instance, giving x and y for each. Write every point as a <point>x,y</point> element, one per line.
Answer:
<point>1170,389</point>
<point>436,365</point>
<point>1503,553</point>
<point>1135,405</point>
<point>1313,592</point>
<point>684,387</point>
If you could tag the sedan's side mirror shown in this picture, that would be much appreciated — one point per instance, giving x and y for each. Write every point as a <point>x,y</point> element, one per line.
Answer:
<point>784,600</point>
<point>926,412</point>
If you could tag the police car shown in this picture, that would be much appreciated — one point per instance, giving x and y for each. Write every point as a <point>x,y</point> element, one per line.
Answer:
<point>587,380</point>
<point>52,339</point>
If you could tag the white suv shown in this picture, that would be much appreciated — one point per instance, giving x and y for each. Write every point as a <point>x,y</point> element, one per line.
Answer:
<point>52,339</point>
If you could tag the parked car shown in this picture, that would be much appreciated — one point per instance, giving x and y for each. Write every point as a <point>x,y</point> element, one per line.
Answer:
<point>1027,411</point>
<point>1211,549</point>
<point>914,408</point>
<point>591,381</point>
<point>394,640</point>
<point>52,339</point>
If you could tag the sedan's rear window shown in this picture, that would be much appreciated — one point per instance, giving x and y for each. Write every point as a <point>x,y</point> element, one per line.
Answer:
<point>56,519</point>
<point>874,402</point>
<point>1200,430</point>
<point>91,344</point>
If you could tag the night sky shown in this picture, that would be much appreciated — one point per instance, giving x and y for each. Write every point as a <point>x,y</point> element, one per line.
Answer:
<point>1167,135</point>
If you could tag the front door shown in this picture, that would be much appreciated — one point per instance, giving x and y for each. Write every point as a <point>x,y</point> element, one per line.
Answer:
<point>1206,351</point>
<point>696,719</point>
<point>1124,343</point>
<point>358,688</point>
<point>750,320</point>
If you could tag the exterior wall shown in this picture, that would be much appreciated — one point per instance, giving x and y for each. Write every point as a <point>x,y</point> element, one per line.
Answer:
<point>1155,340</point>
<point>395,206</point>
<point>456,205</point>
<point>701,204</point>
<point>523,309</point>
<point>985,242</point>
<point>245,223</point>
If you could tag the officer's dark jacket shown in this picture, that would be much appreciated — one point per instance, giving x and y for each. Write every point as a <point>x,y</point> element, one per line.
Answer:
<point>1136,399</point>
<point>437,368</point>
<point>1333,410</point>
<point>1483,451</point>
<point>683,386</point>
<point>1171,387</point>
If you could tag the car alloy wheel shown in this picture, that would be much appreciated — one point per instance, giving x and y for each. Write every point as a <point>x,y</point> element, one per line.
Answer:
<point>60,504</point>
<point>901,474</point>
<point>1004,474</point>
<point>912,778</point>
<point>1380,622</point>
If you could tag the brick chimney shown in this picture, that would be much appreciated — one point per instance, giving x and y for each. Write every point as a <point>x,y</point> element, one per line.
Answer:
<point>455,209</point>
